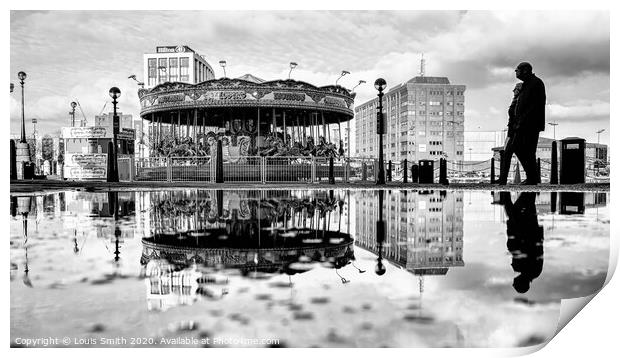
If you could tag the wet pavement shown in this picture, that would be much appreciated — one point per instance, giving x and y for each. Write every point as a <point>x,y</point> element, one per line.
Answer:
<point>301,268</point>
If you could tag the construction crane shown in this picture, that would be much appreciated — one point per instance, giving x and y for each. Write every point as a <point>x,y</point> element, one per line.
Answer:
<point>102,109</point>
<point>81,110</point>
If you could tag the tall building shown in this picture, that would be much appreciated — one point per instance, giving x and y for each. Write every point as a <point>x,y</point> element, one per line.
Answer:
<point>424,120</point>
<point>175,64</point>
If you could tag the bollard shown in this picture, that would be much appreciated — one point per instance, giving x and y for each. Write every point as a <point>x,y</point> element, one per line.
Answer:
<point>364,171</point>
<point>554,163</point>
<point>13,161</point>
<point>502,163</point>
<point>414,173</point>
<point>332,180</point>
<point>492,170</point>
<point>389,171</point>
<point>219,163</point>
<point>110,166</point>
<point>404,171</point>
<point>443,172</point>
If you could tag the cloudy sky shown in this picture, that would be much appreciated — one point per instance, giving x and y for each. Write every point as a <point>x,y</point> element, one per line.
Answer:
<point>72,55</point>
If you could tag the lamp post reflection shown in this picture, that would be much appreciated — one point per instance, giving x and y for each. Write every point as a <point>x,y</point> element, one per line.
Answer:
<point>380,267</point>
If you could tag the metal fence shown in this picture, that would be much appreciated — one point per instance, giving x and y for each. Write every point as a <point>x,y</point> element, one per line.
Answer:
<point>258,169</point>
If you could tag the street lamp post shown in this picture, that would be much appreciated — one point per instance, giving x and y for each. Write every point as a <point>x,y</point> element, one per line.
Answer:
<point>553,124</point>
<point>292,65</point>
<point>115,93</point>
<point>73,105</point>
<point>133,77</point>
<point>354,87</point>
<point>380,85</point>
<point>223,64</point>
<point>342,74</point>
<point>598,143</point>
<point>22,77</point>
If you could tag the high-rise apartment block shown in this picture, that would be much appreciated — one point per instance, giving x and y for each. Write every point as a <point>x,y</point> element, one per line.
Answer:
<point>424,120</point>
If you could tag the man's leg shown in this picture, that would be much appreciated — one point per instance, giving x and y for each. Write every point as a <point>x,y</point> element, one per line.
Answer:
<point>526,152</point>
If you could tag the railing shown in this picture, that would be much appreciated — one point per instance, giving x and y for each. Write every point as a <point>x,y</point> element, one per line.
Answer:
<point>258,169</point>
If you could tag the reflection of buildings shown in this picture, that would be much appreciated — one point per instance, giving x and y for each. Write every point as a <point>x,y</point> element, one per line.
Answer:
<point>196,233</point>
<point>424,230</point>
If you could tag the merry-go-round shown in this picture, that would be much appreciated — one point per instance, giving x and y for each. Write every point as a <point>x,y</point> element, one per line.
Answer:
<point>256,130</point>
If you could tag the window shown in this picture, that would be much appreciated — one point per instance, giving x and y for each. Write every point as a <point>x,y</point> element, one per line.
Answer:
<point>174,69</point>
<point>152,68</point>
<point>434,103</point>
<point>162,66</point>
<point>185,69</point>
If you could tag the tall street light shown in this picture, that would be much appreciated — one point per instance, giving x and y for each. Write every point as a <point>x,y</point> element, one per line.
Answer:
<point>115,93</point>
<point>293,65</point>
<point>342,74</point>
<point>598,143</point>
<point>553,124</point>
<point>359,83</point>
<point>22,77</point>
<point>133,77</point>
<point>72,113</point>
<point>380,85</point>
<point>223,64</point>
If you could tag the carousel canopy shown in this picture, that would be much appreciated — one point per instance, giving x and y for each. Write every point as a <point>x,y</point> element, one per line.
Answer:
<point>215,98</point>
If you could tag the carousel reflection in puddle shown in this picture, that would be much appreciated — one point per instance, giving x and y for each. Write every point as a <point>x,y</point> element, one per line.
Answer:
<point>311,268</point>
<point>243,234</point>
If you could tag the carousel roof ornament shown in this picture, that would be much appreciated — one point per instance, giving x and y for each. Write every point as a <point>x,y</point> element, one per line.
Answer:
<point>249,91</point>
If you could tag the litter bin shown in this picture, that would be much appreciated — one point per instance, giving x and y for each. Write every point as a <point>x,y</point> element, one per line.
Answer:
<point>426,171</point>
<point>572,160</point>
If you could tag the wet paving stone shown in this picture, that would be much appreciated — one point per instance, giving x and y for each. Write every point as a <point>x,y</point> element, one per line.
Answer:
<point>303,316</point>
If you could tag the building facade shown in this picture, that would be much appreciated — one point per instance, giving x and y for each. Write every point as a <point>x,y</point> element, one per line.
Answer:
<point>424,120</point>
<point>175,64</point>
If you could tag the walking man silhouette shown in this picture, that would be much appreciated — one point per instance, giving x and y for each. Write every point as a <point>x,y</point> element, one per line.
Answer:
<point>529,120</point>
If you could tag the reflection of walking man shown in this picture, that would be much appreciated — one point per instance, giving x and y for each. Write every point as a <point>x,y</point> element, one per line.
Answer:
<point>525,238</point>
<point>528,119</point>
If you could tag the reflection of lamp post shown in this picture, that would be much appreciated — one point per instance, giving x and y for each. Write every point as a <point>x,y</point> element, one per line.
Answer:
<point>223,64</point>
<point>342,74</point>
<point>293,65</point>
<point>380,268</point>
<point>73,105</point>
<point>22,77</point>
<point>115,93</point>
<point>380,85</point>
<point>359,83</point>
